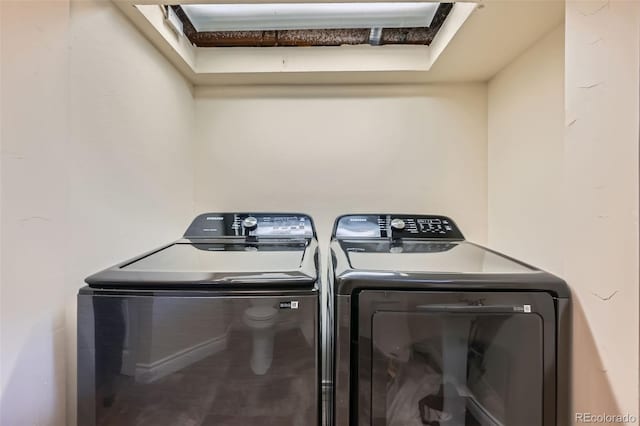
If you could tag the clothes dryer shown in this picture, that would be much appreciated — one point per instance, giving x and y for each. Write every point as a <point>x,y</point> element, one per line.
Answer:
<point>431,329</point>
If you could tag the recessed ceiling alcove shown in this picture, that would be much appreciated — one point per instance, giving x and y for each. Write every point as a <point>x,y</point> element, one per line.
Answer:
<point>461,41</point>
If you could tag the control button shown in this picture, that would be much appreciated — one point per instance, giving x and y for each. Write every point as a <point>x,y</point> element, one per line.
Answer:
<point>249,222</point>
<point>397,224</point>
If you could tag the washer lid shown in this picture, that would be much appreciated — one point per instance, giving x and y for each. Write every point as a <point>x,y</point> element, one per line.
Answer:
<point>429,256</point>
<point>216,264</point>
<point>211,257</point>
<point>434,265</point>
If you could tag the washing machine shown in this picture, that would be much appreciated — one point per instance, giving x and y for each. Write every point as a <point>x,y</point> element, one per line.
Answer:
<point>430,329</point>
<point>217,328</point>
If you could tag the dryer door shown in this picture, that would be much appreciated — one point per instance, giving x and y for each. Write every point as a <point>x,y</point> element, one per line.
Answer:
<point>444,358</point>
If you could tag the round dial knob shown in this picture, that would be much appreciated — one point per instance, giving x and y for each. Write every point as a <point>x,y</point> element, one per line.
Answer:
<point>397,224</point>
<point>249,222</point>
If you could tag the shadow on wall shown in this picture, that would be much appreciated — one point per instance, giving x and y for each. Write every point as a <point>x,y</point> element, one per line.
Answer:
<point>306,92</point>
<point>592,391</point>
<point>34,393</point>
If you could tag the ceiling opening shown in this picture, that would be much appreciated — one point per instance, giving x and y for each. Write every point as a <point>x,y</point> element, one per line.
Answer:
<point>299,43</point>
<point>310,24</point>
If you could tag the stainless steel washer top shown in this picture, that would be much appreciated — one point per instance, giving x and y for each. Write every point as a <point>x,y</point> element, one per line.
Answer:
<point>224,250</point>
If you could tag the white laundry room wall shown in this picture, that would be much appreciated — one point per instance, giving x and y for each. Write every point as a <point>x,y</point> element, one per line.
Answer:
<point>563,185</point>
<point>602,87</point>
<point>96,167</point>
<point>34,290</point>
<point>330,150</point>
<point>525,154</point>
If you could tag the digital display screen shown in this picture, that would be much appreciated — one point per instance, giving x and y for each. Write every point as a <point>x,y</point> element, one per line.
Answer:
<point>283,225</point>
<point>366,226</point>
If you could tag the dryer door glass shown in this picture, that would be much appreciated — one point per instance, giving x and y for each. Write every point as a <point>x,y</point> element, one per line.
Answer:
<point>434,364</point>
<point>459,370</point>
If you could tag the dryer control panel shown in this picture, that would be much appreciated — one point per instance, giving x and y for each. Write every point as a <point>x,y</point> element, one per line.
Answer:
<point>397,226</point>
<point>281,225</point>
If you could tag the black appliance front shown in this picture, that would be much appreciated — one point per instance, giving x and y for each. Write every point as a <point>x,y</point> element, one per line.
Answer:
<point>197,359</point>
<point>454,358</point>
<point>218,328</point>
<point>430,329</point>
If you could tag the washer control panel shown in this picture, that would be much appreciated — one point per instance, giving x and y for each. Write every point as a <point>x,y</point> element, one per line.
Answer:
<point>396,226</point>
<point>282,225</point>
